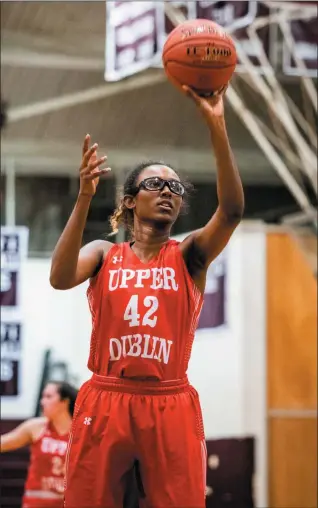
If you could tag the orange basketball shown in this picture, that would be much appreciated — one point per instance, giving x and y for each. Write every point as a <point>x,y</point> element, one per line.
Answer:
<point>199,54</point>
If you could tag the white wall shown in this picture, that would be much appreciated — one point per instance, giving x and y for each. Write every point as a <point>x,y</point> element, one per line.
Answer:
<point>59,320</point>
<point>227,365</point>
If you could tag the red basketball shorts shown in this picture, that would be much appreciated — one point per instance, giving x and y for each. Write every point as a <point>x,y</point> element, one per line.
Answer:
<point>118,422</point>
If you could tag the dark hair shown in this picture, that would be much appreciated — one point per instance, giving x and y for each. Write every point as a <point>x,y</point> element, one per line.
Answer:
<point>122,215</point>
<point>66,391</point>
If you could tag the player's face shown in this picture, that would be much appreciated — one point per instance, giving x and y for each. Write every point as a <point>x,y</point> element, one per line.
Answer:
<point>51,402</point>
<point>161,206</point>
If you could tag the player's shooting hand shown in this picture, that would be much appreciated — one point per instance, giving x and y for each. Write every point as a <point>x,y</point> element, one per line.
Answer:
<point>212,108</point>
<point>90,169</point>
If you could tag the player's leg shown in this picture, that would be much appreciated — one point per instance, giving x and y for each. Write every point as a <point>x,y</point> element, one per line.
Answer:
<point>172,451</point>
<point>100,450</point>
<point>132,490</point>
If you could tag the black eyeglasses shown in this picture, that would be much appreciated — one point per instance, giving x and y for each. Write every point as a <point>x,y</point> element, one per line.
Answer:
<point>155,183</point>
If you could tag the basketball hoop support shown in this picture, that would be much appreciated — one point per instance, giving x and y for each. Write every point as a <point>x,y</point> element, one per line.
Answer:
<point>248,118</point>
<point>276,102</point>
<point>82,97</point>
<point>250,121</point>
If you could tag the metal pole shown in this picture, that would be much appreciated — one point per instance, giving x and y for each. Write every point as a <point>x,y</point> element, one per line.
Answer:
<point>33,59</point>
<point>278,106</point>
<point>119,183</point>
<point>251,124</point>
<point>82,97</point>
<point>10,200</point>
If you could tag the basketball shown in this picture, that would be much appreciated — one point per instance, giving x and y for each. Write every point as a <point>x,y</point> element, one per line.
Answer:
<point>199,54</point>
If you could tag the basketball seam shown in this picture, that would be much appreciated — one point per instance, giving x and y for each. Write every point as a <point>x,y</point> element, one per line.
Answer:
<point>193,66</point>
<point>192,40</point>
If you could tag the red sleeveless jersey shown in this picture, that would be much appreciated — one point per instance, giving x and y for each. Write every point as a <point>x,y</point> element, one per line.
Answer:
<point>144,315</point>
<point>45,480</point>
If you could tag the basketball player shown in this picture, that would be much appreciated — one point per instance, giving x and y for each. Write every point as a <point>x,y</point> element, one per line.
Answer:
<point>145,298</point>
<point>47,436</point>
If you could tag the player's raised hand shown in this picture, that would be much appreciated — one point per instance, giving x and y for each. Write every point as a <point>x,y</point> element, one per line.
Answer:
<point>90,169</point>
<point>211,107</point>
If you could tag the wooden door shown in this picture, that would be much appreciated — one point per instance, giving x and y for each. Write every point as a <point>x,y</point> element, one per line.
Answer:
<point>291,375</point>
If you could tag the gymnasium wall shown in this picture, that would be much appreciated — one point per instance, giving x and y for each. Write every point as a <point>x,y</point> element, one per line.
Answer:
<point>227,366</point>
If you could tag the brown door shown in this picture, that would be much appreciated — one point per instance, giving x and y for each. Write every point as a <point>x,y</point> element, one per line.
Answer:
<point>291,375</point>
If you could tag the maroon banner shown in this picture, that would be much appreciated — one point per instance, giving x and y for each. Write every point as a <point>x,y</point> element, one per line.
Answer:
<point>10,245</point>
<point>10,252</point>
<point>132,33</point>
<point>305,39</point>
<point>13,251</point>
<point>189,11</point>
<point>10,358</point>
<point>237,16</point>
<point>213,311</point>
<point>229,14</point>
<point>9,288</point>
<point>136,31</point>
<point>14,247</point>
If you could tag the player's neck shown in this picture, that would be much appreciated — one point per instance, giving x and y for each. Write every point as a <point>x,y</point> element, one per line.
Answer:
<point>149,240</point>
<point>62,423</point>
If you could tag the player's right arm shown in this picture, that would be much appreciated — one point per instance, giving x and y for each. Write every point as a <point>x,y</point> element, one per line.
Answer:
<point>72,265</point>
<point>18,437</point>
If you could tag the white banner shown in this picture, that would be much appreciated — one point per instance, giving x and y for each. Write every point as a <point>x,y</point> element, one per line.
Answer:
<point>14,248</point>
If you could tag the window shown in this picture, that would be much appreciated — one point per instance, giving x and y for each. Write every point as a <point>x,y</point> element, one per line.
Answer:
<point>102,207</point>
<point>42,204</point>
<point>201,206</point>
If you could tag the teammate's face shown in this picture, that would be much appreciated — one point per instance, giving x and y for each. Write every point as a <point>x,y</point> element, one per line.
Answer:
<point>51,402</point>
<point>160,206</point>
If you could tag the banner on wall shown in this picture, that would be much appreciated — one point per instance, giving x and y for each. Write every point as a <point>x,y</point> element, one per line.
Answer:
<point>14,247</point>
<point>132,33</point>
<point>213,311</point>
<point>305,45</point>
<point>137,30</point>
<point>10,357</point>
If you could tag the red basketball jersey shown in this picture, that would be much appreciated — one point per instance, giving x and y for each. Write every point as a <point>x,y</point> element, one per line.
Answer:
<point>47,465</point>
<point>144,315</point>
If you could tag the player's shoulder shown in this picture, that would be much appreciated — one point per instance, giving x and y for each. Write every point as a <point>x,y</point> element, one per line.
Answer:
<point>35,426</point>
<point>97,247</point>
<point>37,421</point>
<point>102,245</point>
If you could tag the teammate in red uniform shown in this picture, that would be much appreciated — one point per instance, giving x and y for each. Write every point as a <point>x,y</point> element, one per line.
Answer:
<point>145,298</point>
<point>48,437</point>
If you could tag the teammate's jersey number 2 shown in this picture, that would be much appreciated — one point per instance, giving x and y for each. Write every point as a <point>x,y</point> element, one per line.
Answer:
<point>58,466</point>
<point>132,315</point>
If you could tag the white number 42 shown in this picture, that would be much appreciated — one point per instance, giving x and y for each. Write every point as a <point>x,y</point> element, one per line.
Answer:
<point>131,312</point>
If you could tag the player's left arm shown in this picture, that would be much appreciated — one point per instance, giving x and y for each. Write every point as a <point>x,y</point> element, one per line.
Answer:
<point>18,437</point>
<point>207,242</point>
